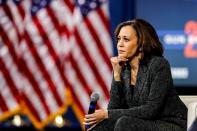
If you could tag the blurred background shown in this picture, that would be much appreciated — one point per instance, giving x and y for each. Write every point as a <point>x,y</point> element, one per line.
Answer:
<point>55,53</point>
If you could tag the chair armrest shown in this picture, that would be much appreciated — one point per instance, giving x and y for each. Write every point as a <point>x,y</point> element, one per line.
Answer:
<point>192,114</point>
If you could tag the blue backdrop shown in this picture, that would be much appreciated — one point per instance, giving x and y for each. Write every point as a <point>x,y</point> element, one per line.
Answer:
<point>170,19</point>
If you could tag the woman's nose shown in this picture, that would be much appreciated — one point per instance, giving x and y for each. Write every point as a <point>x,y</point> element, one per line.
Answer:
<point>120,43</point>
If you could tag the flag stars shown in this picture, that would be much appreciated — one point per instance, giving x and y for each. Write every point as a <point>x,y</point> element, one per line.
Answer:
<point>38,4</point>
<point>84,11</point>
<point>102,1</point>
<point>93,5</point>
<point>87,6</point>
<point>2,2</point>
<point>81,2</point>
<point>17,1</point>
<point>36,1</point>
<point>43,3</point>
<point>34,9</point>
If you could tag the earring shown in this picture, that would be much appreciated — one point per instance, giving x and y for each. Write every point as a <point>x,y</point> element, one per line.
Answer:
<point>140,50</point>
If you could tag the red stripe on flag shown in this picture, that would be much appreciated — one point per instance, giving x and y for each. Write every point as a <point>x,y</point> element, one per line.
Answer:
<point>79,75</point>
<point>52,53</point>
<point>54,20</point>
<point>98,43</point>
<point>12,51</point>
<point>9,44</point>
<point>3,106</point>
<point>31,107</point>
<point>62,29</point>
<point>40,64</point>
<point>70,5</point>
<point>74,96</point>
<point>91,63</point>
<point>21,10</point>
<point>49,44</point>
<point>9,14</point>
<point>105,20</point>
<point>9,81</point>
<point>34,84</point>
<point>66,31</point>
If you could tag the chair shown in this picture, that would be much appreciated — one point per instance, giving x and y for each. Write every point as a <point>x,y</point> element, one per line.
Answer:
<point>192,114</point>
<point>191,103</point>
<point>193,126</point>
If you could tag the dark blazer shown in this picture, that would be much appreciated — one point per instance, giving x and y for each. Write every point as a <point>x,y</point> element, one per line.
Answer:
<point>153,97</point>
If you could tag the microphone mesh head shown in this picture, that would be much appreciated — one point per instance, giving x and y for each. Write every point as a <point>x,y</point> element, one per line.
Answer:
<point>94,97</point>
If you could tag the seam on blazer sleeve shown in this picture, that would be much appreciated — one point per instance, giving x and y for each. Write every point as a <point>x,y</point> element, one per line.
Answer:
<point>116,94</point>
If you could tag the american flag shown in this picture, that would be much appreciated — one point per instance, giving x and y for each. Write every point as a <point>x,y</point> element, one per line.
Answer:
<point>53,53</point>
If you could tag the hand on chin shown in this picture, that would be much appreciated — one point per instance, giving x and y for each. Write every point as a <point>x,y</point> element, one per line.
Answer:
<point>122,57</point>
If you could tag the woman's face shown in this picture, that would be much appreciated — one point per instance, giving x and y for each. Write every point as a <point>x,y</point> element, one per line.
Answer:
<point>127,42</point>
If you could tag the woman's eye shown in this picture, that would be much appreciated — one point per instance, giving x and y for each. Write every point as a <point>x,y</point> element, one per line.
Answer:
<point>118,39</point>
<point>126,39</point>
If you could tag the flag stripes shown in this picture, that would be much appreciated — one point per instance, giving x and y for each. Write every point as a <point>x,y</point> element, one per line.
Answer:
<point>51,47</point>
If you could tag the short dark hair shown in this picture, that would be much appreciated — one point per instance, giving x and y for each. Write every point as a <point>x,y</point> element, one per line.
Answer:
<point>148,39</point>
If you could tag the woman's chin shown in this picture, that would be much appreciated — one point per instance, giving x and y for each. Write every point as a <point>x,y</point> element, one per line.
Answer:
<point>122,56</point>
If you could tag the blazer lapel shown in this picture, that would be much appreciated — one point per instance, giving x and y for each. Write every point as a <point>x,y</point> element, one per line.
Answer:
<point>141,78</point>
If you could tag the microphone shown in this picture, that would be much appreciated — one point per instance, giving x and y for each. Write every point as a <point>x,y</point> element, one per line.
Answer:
<point>93,101</point>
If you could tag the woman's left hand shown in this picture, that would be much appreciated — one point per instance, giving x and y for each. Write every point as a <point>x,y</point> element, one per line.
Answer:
<point>95,118</point>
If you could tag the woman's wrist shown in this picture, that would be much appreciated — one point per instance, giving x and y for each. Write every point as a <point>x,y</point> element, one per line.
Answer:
<point>106,114</point>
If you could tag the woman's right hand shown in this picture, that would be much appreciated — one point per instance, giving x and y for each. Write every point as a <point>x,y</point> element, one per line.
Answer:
<point>117,67</point>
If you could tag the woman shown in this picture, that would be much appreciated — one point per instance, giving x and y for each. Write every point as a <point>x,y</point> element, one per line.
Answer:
<point>142,97</point>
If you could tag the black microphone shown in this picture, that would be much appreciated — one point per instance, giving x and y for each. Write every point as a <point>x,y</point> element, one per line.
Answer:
<point>93,101</point>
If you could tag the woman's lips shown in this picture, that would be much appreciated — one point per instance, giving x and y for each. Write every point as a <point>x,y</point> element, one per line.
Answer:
<point>120,51</point>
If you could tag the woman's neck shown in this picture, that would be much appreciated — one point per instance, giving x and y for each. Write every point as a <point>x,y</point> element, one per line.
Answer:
<point>136,61</point>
